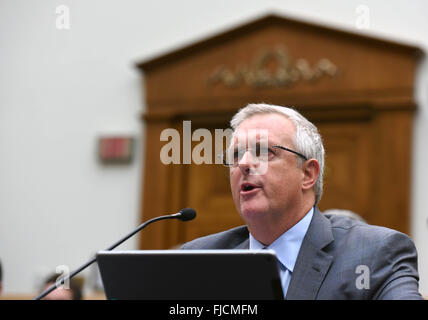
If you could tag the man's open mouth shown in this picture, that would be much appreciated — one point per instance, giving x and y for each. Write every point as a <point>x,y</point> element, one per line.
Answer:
<point>248,187</point>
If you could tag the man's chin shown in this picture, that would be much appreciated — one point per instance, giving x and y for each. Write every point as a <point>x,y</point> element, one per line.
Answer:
<point>252,213</point>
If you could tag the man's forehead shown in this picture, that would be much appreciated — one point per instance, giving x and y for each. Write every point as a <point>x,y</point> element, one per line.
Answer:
<point>253,134</point>
<point>252,139</point>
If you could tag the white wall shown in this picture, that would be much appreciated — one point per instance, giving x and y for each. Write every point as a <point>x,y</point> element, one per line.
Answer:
<point>61,89</point>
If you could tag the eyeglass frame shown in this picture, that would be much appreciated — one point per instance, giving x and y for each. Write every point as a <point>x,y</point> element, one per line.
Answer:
<point>275,146</point>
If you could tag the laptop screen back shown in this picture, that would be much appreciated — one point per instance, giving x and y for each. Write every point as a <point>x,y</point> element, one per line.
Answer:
<point>190,274</point>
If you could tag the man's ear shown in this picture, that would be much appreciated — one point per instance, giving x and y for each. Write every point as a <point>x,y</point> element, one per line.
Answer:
<point>311,171</point>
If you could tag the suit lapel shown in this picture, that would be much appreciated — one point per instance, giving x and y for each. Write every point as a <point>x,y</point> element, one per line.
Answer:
<point>312,262</point>
<point>244,245</point>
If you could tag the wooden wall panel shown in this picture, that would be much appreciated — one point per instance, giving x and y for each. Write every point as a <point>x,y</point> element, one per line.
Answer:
<point>346,183</point>
<point>209,193</point>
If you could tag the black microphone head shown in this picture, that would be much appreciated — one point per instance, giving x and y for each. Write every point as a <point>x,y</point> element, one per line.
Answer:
<point>187,214</point>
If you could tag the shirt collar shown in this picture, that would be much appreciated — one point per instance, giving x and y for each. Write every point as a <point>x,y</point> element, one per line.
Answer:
<point>287,246</point>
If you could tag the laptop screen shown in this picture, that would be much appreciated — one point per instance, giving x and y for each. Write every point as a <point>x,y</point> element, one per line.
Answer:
<point>190,274</point>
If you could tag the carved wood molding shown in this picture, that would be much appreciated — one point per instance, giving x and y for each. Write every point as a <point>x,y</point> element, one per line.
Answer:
<point>285,73</point>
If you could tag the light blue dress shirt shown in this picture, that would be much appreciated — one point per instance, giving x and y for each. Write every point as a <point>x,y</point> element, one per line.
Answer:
<point>287,247</point>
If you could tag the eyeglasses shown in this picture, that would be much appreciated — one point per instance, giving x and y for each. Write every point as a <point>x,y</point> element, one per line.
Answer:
<point>232,157</point>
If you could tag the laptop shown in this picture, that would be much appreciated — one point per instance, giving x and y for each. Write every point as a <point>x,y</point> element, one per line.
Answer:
<point>190,275</point>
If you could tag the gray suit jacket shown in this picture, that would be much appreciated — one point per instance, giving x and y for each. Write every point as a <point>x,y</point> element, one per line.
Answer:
<point>341,258</point>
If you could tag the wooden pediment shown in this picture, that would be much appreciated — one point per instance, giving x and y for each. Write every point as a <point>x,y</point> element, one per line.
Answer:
<point>272,59</point>
<point>358,90</point>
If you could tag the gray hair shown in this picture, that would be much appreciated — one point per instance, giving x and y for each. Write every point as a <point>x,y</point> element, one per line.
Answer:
<point>307,140</point>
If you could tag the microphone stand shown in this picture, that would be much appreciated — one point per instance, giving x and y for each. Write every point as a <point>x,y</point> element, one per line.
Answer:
<point>92,260</point>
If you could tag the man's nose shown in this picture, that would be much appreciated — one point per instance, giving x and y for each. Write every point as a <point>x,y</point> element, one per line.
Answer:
<point>246,162</point>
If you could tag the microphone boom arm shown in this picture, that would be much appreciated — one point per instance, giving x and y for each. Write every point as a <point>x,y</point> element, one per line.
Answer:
<point>92,260</point>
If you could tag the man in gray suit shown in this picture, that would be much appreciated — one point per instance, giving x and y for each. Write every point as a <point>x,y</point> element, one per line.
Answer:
<point>276,161</point>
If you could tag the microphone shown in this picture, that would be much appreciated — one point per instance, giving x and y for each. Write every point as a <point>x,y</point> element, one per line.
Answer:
<point>185,214</point>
